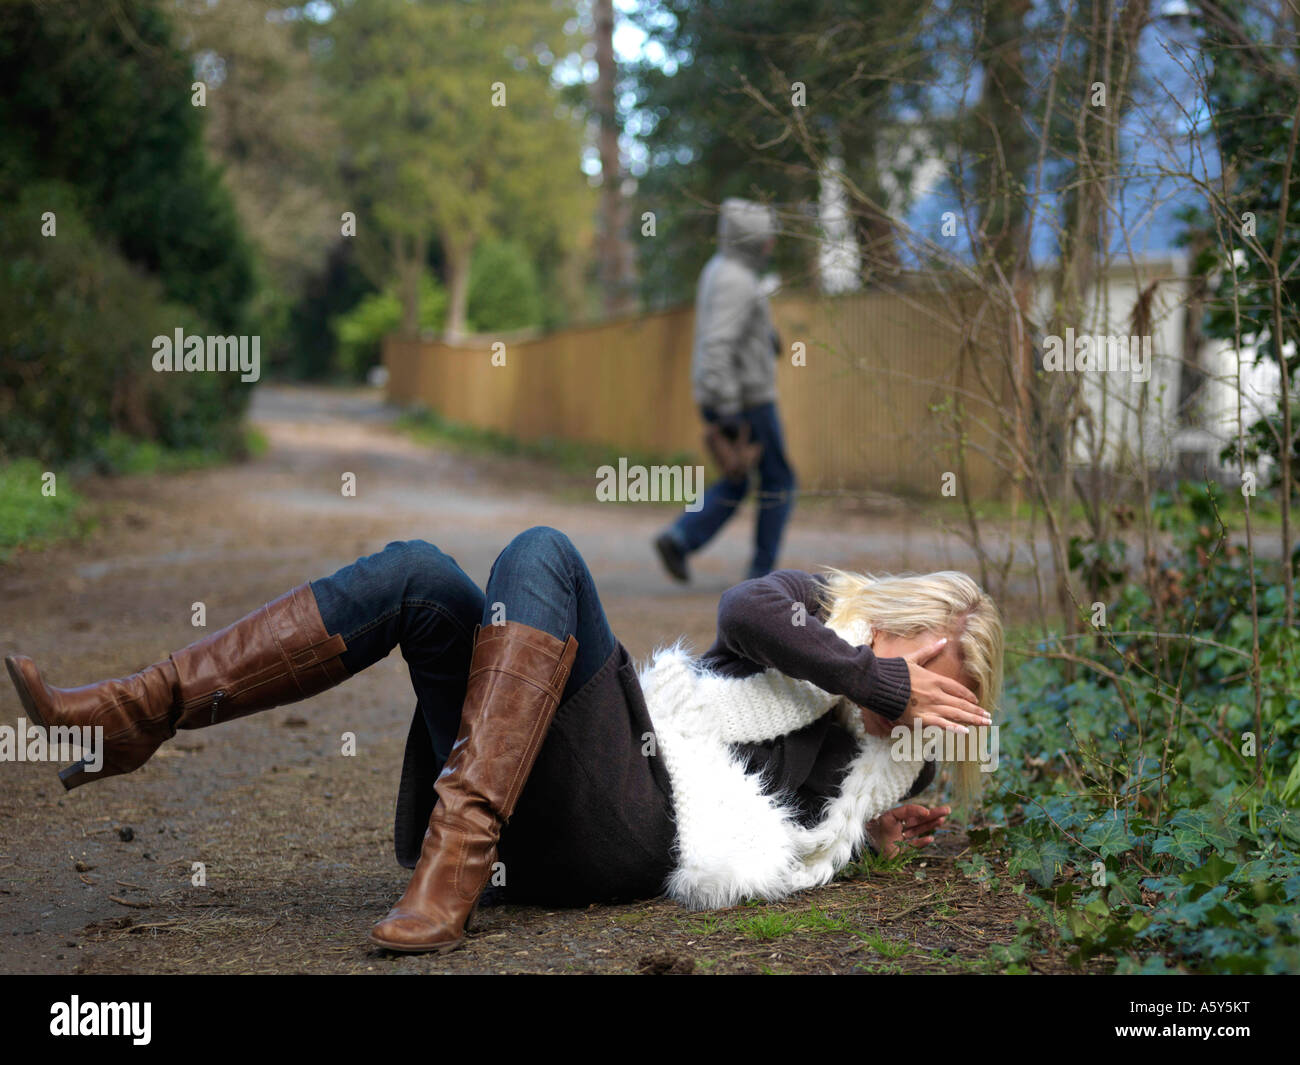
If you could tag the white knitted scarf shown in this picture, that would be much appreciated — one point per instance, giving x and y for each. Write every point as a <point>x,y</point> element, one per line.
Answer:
<point>734,841</point>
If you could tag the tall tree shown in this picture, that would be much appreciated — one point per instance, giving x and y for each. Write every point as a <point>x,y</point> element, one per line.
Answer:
<point>269,126</point>
<point>615,253</point>
<point>452,132</point>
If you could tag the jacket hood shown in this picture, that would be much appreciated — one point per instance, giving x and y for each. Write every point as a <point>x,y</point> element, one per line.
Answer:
<point>743,228</point>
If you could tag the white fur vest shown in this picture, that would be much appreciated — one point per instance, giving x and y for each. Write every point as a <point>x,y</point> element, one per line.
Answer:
<point>733,840</point>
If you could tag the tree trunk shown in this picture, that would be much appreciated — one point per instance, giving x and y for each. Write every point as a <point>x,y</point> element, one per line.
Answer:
<point>1192,375</point>
<point>409,280</point>
<point>458,255</point>
<point>614,251</point>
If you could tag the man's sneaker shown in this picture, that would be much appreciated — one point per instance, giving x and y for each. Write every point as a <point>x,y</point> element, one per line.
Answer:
<point>672,556</point>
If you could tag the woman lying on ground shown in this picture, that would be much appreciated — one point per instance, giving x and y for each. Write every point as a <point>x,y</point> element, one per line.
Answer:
<point>539,756</point>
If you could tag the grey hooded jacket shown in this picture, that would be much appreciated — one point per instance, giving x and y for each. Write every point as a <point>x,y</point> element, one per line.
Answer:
<point>733,363</point>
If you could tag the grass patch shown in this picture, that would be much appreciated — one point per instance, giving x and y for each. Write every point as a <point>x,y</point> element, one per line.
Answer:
<point>870,863</point>
<point>769,925</point>
<point>765,926</point>
<point>129,456</point>
<point>706,924</point>
<point>569,456</point>
<point>255,443</point>
<point>632,919</point>
<point>28,517</point>
<point>888,948</point>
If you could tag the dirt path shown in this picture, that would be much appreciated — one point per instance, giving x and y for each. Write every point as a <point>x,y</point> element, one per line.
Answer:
<point>295,839</point>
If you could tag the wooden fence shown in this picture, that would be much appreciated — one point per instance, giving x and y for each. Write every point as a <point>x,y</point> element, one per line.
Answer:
<point>859,415</point>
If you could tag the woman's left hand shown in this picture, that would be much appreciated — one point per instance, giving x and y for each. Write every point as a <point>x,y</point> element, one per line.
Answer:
<point>912,825</point>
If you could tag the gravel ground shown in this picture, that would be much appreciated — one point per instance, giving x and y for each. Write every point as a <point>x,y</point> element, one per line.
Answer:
<point>294,838</point>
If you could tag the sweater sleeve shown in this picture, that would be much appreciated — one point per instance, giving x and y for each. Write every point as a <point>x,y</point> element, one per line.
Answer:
<point>757,620</point>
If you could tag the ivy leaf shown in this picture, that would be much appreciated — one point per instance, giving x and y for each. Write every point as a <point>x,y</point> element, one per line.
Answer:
<point>1218,942</point>
<point>1214,871</point>
<point>1060,810</point>
<point>1184,844</point>
<point>1161,885</point>
<point>1195,913</point>
<point>1122,892</point>
<point>1109,836</point>
<point>1289,825</point>
<point>1031,861</point>
<point>1250,872</point>
<point>1214,828</point>
<point>1057,853</point>
<point>1040,862</point>
<point>1192,820</point>
<point>1219,834</point>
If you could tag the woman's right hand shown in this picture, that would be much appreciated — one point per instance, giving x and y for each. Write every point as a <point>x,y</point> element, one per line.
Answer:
<point>937,699</point>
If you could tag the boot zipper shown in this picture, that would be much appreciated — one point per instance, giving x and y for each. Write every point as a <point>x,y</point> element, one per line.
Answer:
<point>217,696</point>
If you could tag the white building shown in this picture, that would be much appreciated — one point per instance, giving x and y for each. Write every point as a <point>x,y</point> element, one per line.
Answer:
<point>1137,409</point>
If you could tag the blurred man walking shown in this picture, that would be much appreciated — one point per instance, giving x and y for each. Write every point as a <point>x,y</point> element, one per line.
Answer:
<point>733,374</point>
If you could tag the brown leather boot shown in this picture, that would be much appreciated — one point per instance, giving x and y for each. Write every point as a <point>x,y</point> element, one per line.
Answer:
<point>516,678</point>
<point>278,654</point>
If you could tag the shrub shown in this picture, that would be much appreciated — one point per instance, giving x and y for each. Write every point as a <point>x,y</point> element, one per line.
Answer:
<point>360,331</point>
<point>77,322</point>
<point>1131,803</point>
<point>504,293</point>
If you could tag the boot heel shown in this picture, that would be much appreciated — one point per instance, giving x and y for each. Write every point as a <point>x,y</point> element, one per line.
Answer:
<point>75,775</point>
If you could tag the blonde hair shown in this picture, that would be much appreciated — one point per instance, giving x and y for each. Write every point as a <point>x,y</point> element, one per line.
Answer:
<point>947,603</point>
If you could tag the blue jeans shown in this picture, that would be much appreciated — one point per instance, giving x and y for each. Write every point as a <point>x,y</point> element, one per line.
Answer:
<point>776,493</point>
<point>413,596</point>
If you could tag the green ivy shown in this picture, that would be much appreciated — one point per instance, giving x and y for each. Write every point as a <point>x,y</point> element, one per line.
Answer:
<point>1127,805</point>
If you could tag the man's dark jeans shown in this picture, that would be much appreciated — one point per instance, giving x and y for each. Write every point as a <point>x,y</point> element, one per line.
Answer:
<point>414,596</point>
<point>776,493</point>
